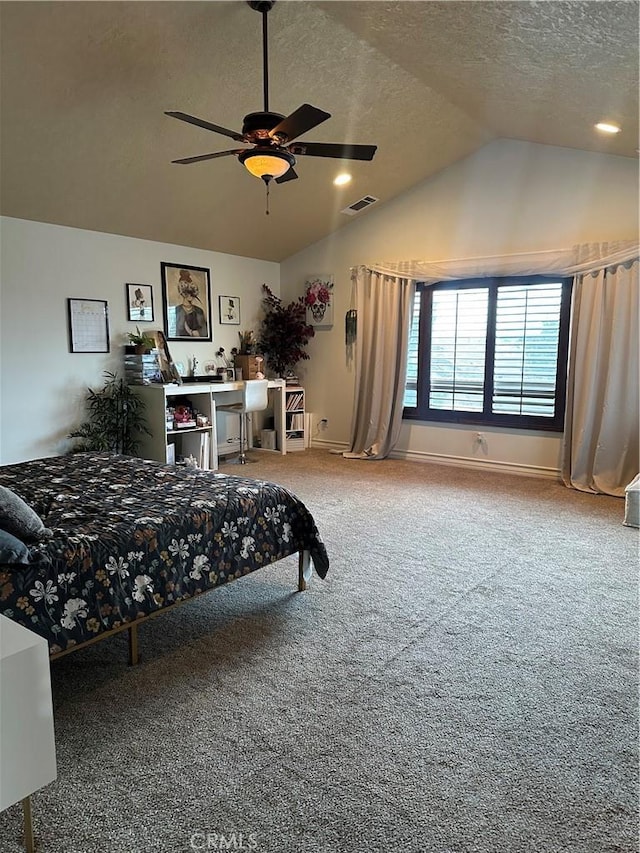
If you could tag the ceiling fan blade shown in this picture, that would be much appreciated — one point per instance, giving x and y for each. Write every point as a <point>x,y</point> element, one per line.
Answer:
<point>201,157</point>
<point>299,122</point>
<point>199,122</point>
<point>330,149</point>
<point>289,175</point>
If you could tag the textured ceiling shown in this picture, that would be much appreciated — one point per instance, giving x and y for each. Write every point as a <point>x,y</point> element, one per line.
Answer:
<point>84,86</point>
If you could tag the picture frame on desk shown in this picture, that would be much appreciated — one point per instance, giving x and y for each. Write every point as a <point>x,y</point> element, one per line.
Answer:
<point>168,368</point>
<point>186,297</point>
<point>229,310</point>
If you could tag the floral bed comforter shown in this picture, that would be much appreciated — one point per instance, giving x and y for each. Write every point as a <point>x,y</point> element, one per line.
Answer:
<point>132,536</point>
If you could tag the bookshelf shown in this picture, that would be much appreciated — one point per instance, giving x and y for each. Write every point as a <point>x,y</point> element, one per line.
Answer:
<point>290,421</point>
<point>175,414</point>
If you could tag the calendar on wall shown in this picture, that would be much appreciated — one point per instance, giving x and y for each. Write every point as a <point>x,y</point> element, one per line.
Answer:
<point>88,325</point>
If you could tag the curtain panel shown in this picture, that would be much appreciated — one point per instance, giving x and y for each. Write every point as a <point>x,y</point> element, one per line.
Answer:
<point>601,435</point>
<point>384,305</point>
<point>600,448</point>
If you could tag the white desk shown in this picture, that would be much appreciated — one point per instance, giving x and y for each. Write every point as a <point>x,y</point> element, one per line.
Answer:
<point>27,742</point>
<point>204,395</point>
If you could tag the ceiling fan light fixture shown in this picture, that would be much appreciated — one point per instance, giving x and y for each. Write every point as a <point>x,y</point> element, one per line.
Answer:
<point>267,164</point>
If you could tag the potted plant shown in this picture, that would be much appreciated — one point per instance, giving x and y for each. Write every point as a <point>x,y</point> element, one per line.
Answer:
<point>140,342</point>
<point>115,418</point>
<point>247,343</point>
<point>284,332</point>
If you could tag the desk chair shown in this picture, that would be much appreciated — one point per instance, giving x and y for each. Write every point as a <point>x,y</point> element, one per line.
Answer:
<point>254,399</point>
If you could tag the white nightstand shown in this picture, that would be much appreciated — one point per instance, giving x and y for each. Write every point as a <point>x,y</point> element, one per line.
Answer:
<point>27,741</point>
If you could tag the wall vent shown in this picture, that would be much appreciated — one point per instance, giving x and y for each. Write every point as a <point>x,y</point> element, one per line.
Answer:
<point>357,206</point>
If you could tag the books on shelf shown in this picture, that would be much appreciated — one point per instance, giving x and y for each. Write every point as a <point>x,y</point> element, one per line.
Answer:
<point>296,422</point>
<point>295,401</point>
<point>197,446</point>
<point>203,460</point>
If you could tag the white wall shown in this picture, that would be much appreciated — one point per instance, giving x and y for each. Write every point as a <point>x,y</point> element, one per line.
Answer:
<point>509,197</point>
<point>43,384</point>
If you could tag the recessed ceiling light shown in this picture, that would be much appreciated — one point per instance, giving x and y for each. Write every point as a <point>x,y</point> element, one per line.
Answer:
<point>605,127</point>
<point>342,179</point>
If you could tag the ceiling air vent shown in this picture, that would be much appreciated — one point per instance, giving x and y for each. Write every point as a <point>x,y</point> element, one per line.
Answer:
<point>357,206</point>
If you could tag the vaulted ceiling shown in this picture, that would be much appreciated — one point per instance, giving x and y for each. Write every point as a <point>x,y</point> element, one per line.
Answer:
<point>84,87</point>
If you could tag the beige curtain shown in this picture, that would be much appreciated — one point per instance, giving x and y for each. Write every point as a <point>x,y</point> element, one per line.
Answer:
<point>601,429</point>
<point>384,304</point>
<point>601,437</point>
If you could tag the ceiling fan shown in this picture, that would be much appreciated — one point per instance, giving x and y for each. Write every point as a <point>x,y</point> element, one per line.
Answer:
<point>272,135</point>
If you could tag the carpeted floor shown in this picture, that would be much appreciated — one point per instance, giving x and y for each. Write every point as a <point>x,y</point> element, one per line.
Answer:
<point>464,681</point>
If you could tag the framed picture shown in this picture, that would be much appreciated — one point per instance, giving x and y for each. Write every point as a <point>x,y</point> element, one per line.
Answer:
<point>229,310</point>
<point>186,296</point>
<point>168,369</point>
<point>140,302</point>
<point>318,297</point>
<point>88,325</point>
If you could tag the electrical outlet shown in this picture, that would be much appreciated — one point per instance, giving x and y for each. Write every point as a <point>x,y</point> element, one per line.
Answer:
<point>323,423</point>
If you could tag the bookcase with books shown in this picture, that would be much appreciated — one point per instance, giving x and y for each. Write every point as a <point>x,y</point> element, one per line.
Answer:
<point>292,432</point>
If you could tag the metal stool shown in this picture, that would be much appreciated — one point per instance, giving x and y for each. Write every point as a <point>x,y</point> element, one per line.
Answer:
<point>254,399</point>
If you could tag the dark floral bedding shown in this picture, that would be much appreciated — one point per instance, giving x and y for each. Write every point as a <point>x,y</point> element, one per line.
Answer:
<point>130,537</point>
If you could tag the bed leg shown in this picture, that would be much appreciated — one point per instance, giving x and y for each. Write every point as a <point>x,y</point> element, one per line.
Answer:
<point>304,570</point>
<point>133,645</point>
<point>29,844</point>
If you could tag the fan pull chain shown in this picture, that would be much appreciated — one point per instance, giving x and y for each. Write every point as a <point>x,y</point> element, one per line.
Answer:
<point>267,210</point>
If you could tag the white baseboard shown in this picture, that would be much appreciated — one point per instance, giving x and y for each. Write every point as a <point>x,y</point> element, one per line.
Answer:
<point>323,444</point>
<point>457,461</point>
<point>478,464</point>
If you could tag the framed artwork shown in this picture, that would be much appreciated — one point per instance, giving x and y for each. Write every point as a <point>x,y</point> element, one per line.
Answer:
<point>318,298</point>
<point>140,302</point>
<point>168,369</point>
<point>186,296</point>
<point>229,310</point>
<point>88,325</point>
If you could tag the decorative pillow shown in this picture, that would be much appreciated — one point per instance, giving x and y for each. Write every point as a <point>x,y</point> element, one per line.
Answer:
<point>18,518</point>
<point>12,550</point>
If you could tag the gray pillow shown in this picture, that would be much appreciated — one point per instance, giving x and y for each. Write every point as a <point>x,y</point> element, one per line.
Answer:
<point>18,518</point>
<point>12,550</point>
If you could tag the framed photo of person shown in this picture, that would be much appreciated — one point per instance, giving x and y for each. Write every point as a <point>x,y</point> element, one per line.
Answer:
<point>186,297</point>
<point>140,302</point>
<point>229,307</point>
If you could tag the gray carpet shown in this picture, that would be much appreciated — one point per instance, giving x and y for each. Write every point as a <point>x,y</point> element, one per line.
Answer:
<point>464,680</point>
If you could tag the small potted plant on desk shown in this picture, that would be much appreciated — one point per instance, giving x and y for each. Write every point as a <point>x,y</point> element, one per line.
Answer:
<point>140,342</point>
<point>245,358</point>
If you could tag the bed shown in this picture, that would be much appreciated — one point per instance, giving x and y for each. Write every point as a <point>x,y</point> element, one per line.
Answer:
<point>125,539</point>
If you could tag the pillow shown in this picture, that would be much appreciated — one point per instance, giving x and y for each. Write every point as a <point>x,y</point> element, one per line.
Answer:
<point>12,550</point>
<point>18,518</point>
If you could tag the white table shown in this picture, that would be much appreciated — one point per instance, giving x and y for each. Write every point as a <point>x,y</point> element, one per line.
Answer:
<point>27,741</point>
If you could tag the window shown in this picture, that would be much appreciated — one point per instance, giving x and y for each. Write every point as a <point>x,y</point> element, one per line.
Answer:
<point>490,351</point>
